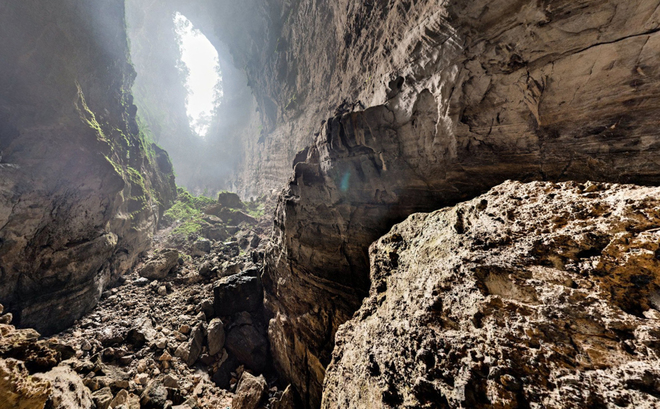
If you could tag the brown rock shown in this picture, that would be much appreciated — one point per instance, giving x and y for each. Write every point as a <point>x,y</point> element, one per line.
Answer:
<point>250,392</point>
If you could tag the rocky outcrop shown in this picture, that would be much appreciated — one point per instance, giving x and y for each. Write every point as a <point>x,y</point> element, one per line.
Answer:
<point>30,377</point>
<point>81,189</point>
<point>538,294</point>
<point>460,98</point>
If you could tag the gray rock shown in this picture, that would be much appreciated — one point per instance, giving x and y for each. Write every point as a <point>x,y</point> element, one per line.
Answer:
<point>216,336</point>
<point>141,282</point>
<point>201,247</point>
<point>161,265</point>
<point>189,352</point>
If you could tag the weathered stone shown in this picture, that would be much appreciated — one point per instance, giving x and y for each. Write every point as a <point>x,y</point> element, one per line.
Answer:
<point>240,292</point>
<point>18,389</point>
<point>68,389</point>
<point>161,265</point>
<point>250,392</point>
<point>533,294</point>
<point>206,269</point>
<point>216,336</point>
<point>201,247</point>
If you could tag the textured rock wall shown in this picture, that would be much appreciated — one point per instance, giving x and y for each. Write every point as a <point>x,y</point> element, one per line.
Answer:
<point>459,98</point>
<point>538,294</point>
<point>80,189</point>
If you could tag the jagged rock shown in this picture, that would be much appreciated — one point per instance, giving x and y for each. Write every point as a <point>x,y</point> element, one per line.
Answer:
<point>68,390</point>
<point>189,352</point>
<point>142,333</point>
<point>538,294</point>
<point>18,389</point>
<point>161,265</point>
<point>102,398</point>
<point>254,241</point>
<point>206,307</point>
<point>230,268</point>
<point>111,336</point>
<point>231,200</point>
<point>250,392</point>
<point>216,336</point>
<point>230,216</point>
<point>125,399</point>
<point>240,292</point>
<point>434,119</point>
<point>248,345</point>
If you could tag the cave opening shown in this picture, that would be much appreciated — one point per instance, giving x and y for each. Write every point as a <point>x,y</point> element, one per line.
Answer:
<point>203,78</point>
<point>192,100</point>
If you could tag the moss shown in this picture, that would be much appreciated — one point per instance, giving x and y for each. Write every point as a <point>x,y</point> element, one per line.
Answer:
<point>187,210</point>
<point>255,209</point>
<point>88,116</point>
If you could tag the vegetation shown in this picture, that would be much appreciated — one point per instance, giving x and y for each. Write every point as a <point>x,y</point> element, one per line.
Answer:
<point>187,210</point>
<point>255,208</point>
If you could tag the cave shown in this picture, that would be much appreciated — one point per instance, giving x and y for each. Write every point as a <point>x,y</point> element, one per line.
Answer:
<point>388,203</point>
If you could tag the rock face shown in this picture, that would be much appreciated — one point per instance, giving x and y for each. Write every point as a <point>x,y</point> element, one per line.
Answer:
<point>460,98</point>
<point>536,294</point>
<point>81,189</point>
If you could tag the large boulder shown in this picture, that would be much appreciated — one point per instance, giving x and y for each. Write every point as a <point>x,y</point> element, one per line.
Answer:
<point>237,293</point>
<point>161,265</point>
<point>231,200</point>
<point>533,295</point>
<point>69,392</point>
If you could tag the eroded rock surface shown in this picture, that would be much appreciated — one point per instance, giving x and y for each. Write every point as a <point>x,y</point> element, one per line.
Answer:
<point>536,294</point>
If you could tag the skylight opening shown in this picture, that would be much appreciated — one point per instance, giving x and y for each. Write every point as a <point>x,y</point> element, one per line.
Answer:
<point>199,60</point>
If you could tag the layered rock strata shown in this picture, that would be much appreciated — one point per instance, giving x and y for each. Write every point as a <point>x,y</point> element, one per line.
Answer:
<point>462,98</point>
<point>538,294</point>
<point>81,190</point>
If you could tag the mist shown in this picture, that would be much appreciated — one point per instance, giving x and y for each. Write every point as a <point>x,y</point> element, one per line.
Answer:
<point>192,101</point>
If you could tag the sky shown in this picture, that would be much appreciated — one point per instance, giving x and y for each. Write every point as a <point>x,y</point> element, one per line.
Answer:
<point>201,58</point>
